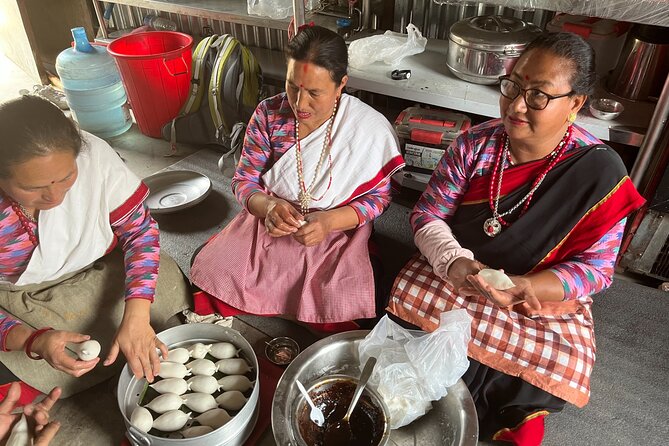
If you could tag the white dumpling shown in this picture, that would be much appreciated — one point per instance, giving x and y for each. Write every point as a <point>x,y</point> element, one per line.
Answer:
<point>231,400</point>
<point>180,355</point>
<point>235,382</point>
<point>178,386</point>
<point>203,383</point>
<point>199,350</point>
<point>141,418</point>
<point>496,279</point>
<point>202,367</point>
<point>173,370</point>
<point>21,434</point>
<point>214,418</point>
<point>171,421</point>
<point>235,366</point>
<point>200,402</point>
<point>224,350</point>
<point>165,402</point>
<point>87,350</point>
<point>196,431</point>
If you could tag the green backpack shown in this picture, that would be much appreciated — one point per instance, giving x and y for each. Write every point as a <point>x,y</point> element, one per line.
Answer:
<point>226,86</point>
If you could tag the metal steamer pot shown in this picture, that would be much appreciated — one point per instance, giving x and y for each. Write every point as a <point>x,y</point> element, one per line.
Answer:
<point>481,49</point>
<point>235,432</point>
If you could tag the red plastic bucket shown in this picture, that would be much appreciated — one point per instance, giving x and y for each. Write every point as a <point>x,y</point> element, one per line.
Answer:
<point>155,68</point>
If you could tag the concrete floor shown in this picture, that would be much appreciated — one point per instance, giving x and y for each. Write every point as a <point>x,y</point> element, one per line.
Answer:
<point>93,418</point>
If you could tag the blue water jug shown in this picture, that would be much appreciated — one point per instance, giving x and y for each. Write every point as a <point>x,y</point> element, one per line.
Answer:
<point>93,87</point>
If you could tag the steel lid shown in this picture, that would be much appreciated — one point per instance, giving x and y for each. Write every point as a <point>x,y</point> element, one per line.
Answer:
<point>494,33</point>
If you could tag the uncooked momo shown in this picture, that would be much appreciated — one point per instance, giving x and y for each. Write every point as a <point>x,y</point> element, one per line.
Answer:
<point>496,279</point>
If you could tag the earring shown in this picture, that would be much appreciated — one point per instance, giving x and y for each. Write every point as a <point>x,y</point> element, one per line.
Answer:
<point>572,117</point>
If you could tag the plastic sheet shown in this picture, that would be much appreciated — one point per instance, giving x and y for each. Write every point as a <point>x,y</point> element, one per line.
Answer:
<point>390,48</point>
<point>412,371</point>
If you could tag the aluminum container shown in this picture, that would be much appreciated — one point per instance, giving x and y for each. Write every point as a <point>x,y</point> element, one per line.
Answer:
<point>234,432</point>
<point>481,49</point>
<point>452,420</point>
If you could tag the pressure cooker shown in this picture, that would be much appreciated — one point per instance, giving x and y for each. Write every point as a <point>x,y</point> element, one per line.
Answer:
<point>481,49</point>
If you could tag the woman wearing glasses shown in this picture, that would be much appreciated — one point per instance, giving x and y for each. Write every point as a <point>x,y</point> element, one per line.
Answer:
<point>539,197</point>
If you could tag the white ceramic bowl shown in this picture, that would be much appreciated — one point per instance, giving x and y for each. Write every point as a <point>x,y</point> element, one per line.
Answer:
<point>175,190</point>
<point>606,108</point>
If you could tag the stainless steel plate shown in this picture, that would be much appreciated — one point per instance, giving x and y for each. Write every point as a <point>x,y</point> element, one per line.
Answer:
<point>452,420</point>
<point>174,190</point>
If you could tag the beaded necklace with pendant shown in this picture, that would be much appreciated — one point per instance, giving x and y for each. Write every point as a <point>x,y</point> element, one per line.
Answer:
<point>305,195</point>
<point>493,226</point>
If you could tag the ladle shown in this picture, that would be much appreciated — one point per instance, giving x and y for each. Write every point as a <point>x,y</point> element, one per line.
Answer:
<point>316,414</point>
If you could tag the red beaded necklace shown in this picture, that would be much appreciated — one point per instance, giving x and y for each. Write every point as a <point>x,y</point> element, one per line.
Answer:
<point>493,226</point>
<point>25,221</point>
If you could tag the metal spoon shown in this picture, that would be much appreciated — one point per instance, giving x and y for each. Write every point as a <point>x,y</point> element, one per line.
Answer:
<point>316,414</point>
<point>364,377</point>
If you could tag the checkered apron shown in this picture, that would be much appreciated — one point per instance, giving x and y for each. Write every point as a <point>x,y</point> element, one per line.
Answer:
<point>553,352</point>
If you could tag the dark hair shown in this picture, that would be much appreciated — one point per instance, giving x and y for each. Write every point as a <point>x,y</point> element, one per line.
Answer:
<point>31,126</point>
<point>577,51</point>
<point>321,47</point>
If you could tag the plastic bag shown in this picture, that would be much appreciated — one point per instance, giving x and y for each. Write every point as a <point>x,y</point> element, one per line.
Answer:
<point>275,9</point>
<point>390,47</point>
<point>412,371</point>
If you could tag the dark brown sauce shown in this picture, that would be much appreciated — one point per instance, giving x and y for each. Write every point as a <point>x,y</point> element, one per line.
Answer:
<point>365,427</point>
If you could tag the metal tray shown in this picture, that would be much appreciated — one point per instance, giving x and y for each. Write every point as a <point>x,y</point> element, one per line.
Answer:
<point>175,190</point>
<point>452,420</point>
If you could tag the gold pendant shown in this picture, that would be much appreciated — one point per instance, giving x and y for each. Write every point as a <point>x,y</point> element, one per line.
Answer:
<point>305,201</point>
<point>492,227</point>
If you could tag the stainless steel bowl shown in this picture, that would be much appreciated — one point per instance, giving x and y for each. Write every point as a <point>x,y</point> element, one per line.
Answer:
<point>452,420</point>
<point>282,350</point>
<point>606,108</point>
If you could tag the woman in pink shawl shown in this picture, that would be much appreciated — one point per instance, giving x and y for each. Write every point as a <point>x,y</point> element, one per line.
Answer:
<point>314,174</point>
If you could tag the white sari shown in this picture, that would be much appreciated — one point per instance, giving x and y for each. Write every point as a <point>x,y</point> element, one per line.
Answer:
<point>330,282</point>
<point>364,152</point>
<point>78,232</point>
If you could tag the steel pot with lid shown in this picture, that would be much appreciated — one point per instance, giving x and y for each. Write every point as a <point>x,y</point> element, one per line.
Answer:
<point>481,49</point>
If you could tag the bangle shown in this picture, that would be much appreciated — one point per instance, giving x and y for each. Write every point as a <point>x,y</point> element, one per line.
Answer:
<point>29,343</point>
<point>6,335</point>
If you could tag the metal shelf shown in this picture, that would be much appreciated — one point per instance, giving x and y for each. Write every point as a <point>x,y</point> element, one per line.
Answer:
<point>224,10</point>
<point>432,83</point>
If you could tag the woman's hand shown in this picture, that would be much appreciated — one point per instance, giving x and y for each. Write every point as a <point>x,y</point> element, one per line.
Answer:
<point>37,415</point>
<point>523,291</point>
<point>51,344</point>
<point>318,226</point>
<point>460,269</point>
<point>281,218</point>
<point>137,340</point>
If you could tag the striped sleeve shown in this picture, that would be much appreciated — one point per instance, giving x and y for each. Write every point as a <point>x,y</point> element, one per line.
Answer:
<point>591,271</point>
<point>139,238</point>
<point>371,205</point>
<point>446,188</point>
<point>254,159</point>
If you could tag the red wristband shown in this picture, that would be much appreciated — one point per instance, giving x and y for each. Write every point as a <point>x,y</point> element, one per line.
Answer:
<point>29,343</point>
<point>6,335</point>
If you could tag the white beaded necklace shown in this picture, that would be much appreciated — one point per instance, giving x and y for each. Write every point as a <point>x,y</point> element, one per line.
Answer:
<point>305,196</point>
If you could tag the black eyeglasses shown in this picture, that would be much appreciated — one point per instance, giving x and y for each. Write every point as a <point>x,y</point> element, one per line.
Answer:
<point>534,98</point>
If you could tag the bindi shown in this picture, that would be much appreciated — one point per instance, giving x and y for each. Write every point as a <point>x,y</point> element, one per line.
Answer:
<point>527,78</point>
